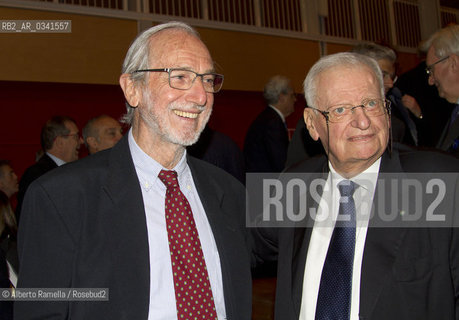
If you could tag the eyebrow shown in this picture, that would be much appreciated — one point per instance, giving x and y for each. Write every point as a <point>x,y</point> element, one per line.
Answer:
<point>211,70</point>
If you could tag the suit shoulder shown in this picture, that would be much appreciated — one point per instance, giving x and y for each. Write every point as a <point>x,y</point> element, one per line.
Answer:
<point>315,164</point>
<point>413,160</point>
<point>87,168</point>
<point>267,117</point>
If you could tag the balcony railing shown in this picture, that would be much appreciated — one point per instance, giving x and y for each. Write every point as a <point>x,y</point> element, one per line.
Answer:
<point>395,22</point>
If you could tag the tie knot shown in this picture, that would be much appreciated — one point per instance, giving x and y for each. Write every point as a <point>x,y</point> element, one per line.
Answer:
<point>169,178</point>
<point>346,188</point>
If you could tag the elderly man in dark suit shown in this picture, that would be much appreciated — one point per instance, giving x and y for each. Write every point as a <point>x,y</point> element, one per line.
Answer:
<point>266,141</point>
<point>346,259</point>
<point>442,60</point>
<point>161,230</point>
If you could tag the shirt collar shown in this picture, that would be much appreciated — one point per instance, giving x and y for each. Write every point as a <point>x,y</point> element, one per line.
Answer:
<point>366,179</point>
<point>147,168</point>
<point>58,161</point>
<point>278,112</point>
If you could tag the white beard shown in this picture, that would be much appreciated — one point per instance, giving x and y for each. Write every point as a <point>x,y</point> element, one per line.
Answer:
<point>157,122</point>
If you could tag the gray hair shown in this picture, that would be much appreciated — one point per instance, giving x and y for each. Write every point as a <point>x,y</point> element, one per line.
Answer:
<point>138,56</point>
<point>444,41</point>
<point>276,86</point>
<point>375,51</point>
<point>347,59</point>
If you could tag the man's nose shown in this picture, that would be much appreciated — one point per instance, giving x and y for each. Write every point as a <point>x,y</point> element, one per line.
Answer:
<point>197,94</point>
<point>360,118</point>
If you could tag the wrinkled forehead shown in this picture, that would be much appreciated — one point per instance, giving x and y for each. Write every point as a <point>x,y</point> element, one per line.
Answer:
<point>178,48</point>
<point>347,84</point>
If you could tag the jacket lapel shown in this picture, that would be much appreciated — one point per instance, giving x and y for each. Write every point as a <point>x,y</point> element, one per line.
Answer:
<point>301,239</point>
<point>209,191</point>
<point>128,236</point>
<point>381,244</point>
<point>212,197</point>
<point>449,134</point>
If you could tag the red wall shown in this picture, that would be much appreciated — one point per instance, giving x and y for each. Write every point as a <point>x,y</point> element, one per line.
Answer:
<point>25,106</point>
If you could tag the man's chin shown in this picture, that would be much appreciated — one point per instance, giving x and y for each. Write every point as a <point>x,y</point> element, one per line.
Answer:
<point>185,141</point>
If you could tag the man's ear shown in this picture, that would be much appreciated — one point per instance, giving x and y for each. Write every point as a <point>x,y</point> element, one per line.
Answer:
<point>309,117</point>
<point>131,91</point>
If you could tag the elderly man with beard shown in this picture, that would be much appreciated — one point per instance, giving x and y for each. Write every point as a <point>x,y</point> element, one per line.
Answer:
<point>161,230</point>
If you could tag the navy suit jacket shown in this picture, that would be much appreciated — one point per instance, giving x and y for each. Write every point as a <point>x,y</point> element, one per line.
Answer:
<point>266,143</point>
<point>84,226</point>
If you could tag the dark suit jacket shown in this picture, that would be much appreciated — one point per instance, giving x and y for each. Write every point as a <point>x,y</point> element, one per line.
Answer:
<point>266,143</point>
<point>220,150</point>
<point>436,110</point>
<point>43,165</point>
<point>449,140</point>
<point>84,226</point>
<point>407,273</point>
<point>6,307</point>
<point>302,146</point>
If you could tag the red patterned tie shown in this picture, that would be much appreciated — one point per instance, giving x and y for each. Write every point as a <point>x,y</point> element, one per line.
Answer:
<point>193,293</point>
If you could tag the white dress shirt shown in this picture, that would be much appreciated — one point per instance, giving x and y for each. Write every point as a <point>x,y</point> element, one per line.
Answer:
<point>59,162</point>
<point>162,294</point>
<point>322,233</point>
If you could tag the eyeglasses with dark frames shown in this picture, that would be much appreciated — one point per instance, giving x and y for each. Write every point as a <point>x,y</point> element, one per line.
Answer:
<point>183,79</point>
<point>429,69</point>
<point>344,112</point>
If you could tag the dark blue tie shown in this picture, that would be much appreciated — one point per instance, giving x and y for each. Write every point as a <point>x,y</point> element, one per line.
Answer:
<point>334,300</point>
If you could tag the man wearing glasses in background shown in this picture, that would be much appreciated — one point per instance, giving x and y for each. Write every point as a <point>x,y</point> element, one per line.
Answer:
<point>443,69</point>
<point>164,232</point>
<point>346,264</point>
<point>60,141</point>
